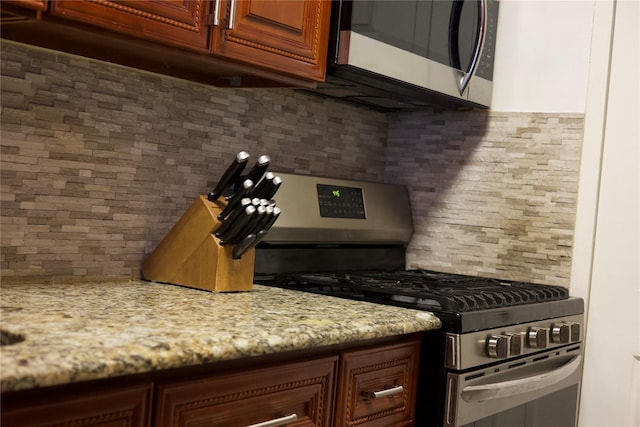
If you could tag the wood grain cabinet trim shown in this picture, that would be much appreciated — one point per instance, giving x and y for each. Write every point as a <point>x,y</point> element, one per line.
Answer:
<point>174,22</point>
<point>40,5</point>
<point>289,36</point>
<point>118,407</point>
<point>363,372</point>
<point>252,396</point>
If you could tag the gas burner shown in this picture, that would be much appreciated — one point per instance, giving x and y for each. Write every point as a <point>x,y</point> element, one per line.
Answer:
<point>424,289</point>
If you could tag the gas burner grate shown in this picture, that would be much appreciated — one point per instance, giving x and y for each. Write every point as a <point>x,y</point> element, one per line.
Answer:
<point>424,289</point>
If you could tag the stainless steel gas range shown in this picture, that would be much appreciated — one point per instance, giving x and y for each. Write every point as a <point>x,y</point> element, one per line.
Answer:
<point>509,353</point>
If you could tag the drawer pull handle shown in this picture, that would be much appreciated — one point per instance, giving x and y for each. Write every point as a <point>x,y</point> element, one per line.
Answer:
<point>277,422</point>
<point>384,393</point>
<point>232,18</point>
<point>216,13</point>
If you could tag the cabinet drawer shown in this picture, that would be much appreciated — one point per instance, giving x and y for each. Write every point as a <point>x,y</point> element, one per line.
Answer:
<point>120,407</point>
<point>377,387</point>
<point>253,396</point>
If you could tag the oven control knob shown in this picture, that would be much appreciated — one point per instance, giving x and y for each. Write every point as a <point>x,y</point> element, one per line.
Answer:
<point>575,331</point>
<point>516,343</point>
<point>561,333</point>
<point>498,346</point>
<point>538,337</point>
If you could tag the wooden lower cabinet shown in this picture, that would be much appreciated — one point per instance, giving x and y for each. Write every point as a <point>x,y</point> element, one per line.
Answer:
<point>298,394</point>
<point>116,407</point>
<point>377,386</point>
<point>363,386</point>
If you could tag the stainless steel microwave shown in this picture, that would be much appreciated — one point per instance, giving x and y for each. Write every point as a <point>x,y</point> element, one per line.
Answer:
<point>412,53</point>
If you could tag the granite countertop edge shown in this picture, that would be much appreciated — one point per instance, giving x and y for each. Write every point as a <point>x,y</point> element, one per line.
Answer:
<point>90,331</point>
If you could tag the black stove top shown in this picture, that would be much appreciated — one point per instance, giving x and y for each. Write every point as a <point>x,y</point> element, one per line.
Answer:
<point>463,303</point>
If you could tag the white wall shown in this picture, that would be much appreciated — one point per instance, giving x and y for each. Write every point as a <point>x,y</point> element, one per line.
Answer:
<point>582,56</point>
<point>542,55</point>
<point>607,249</point>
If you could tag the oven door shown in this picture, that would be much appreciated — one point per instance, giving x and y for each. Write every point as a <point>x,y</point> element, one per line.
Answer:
<point>537,391</point>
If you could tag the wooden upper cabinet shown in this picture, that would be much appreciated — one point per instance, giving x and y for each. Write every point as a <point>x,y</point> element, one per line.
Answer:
<point>289,36</point>
<point>29,4</point>
<point>180,23</point>
<point>221,42</point>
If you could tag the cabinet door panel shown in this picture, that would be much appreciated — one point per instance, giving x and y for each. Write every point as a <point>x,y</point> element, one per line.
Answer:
<point>120,407</point>
<point>250,397</point>
<point>385,368</point>
<point>30,4</point>
<point>178,23</point>
<point>286,35</point>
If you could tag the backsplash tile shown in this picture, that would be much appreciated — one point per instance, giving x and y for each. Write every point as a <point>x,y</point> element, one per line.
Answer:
<point>493,194</point>
<point>99,161</point>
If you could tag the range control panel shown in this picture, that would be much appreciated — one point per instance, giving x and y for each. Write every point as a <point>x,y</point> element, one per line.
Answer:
<point>338,201</point>
<point>473,349</point>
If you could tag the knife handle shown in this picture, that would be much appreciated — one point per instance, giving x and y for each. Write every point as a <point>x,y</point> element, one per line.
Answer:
<point>235,237</point>
<point>236,229</point>
<point>263,185</point>
<point>243,246</point>
<point>247,185</point>
<point>230,175</point>
<point>272,220</point>
<point>224,226</point>
<point>273,188</point>
<point>250,242</point>
<point>257,220</point>
<point>259,168</point>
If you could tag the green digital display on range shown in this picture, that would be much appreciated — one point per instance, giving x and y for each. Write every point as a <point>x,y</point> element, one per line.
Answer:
<point>337,201</point>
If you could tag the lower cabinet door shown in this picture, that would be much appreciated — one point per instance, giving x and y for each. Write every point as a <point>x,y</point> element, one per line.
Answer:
<point>118,407</point>
<point>377,387</point>
<point>293,394</point>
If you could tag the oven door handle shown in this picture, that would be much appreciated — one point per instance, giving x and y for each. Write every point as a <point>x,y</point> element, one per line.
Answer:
<point>479,393</point>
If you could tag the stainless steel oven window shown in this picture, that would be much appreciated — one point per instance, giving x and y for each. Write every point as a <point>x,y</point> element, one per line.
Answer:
<point>557,409</point>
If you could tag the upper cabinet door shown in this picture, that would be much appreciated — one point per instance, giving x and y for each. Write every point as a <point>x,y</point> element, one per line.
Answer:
<point>29,4</point>
<point>289,36</point>
<point>180,23</point>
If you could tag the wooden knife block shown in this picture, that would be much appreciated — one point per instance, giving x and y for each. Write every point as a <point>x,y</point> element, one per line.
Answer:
<point>190,255</point>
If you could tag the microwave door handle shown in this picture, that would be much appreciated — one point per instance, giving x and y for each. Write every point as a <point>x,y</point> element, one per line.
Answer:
<point>454,30</point>
<point>479,393</point>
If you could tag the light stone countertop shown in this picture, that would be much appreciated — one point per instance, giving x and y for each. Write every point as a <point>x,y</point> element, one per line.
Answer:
<point>78,332</point>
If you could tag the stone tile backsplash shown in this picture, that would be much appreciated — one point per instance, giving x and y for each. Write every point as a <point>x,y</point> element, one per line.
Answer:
<point>493,193</point>
<point>98,162</point>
